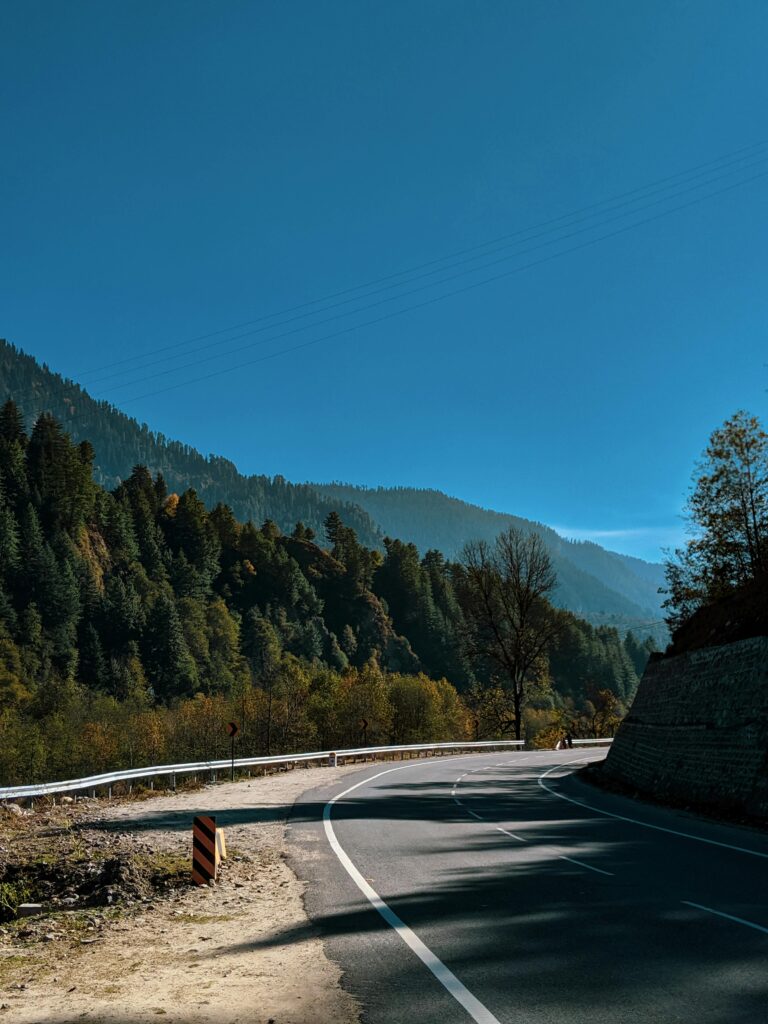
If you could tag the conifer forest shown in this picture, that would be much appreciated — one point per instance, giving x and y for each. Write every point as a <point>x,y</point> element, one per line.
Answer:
<point>135,622</point>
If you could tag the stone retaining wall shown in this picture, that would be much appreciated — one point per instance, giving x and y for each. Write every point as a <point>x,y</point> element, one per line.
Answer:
<point>697,731</point>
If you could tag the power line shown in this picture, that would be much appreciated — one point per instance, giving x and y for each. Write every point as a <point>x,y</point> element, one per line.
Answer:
<point>445,280</point>
<point>440,298</point>
<point>725,160</point>
<point>428,273</point>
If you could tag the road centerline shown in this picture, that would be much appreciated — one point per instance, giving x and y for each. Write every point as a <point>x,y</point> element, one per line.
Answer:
<point>552,846</point>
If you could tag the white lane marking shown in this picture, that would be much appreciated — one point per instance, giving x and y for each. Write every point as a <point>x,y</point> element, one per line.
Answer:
<point>571,860</point>
<point>728,917</point>
<point>476,1010</point>
<point>583,865</point>
<point>511,834</point>
<point>644,824</point>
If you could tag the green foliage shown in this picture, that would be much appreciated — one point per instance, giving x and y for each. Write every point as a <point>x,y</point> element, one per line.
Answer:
<point>12,895</point>
<point>728,515</point>
<point>134,623</point>
<point>121,443</point>
<point>597,582</point>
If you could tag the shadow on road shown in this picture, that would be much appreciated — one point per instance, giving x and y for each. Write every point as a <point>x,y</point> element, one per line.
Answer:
<point>519,925</point>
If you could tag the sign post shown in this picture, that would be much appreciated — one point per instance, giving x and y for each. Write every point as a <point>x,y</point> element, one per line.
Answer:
<point>232,730</point>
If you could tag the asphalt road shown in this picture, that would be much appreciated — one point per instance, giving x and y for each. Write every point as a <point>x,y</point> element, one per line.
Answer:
<point>502,901</point>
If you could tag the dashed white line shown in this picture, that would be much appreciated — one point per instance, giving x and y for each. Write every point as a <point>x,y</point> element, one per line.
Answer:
<point>728,917</point>
<point>476,1010</point>
<point>520,839</point>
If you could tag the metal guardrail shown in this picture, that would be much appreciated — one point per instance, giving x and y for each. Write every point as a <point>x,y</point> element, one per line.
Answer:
<point>108,779</point>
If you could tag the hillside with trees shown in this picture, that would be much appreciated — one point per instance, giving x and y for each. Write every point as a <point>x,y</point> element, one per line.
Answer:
<point>605,587</point>
<point>135,621</point>
<point>601,585</point>
<point>120,442</point>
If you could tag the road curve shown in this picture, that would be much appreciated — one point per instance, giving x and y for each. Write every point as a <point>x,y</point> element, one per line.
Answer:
<point>502,889</point>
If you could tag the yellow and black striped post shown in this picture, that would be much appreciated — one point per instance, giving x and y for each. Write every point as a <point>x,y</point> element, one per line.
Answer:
<point>205,853</point>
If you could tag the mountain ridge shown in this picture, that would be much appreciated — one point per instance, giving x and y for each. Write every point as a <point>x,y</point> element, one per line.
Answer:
<point>430,518</point>
<point>592,581</point>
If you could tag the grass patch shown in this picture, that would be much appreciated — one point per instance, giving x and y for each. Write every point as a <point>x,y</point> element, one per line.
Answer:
<point>11,967</point>
<point>12,894</point>
<point>163,866</point>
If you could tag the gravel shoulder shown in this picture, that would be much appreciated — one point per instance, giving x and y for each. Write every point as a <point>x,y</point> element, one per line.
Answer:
<point>185,953</point>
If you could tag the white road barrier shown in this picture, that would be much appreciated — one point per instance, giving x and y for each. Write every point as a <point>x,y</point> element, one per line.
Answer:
<point>108,779</point>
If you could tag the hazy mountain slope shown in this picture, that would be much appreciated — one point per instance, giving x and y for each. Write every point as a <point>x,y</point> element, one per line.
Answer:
<point>592,580</point>
<point>596,583</point>
<point>121,442</point>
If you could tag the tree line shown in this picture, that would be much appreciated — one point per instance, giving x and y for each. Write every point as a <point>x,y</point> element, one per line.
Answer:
<point>134,622</point>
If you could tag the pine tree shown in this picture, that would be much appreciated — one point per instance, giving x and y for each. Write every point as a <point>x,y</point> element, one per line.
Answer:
<point>170,669</point>
<point>12,424</point>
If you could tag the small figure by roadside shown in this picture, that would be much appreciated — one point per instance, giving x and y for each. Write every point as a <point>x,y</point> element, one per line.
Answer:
<point>565,742</point>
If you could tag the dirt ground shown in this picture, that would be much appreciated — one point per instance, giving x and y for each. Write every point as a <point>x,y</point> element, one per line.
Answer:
<point>184,953</point>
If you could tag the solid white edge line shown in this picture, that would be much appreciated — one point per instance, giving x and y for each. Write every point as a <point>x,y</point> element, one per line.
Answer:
<point>643,824</point>
<point>728,917</point>
<point>476,1010</point>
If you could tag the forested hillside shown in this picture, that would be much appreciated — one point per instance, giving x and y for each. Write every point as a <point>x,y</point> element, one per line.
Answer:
<point>120,443</point>
<point>135,622</point>
<point>591,581</point>
<point>600,585</point>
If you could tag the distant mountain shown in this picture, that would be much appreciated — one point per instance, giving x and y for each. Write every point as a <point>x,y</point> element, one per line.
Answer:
<point>601,585</point>
<point>121,442</point>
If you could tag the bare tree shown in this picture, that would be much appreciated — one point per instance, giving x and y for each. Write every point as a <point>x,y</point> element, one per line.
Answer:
<point>503,589</point>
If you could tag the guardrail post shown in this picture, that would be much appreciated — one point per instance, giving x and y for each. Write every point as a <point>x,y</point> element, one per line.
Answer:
<point>173,781</point>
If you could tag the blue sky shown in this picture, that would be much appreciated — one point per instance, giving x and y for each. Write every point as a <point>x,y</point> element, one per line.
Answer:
<point>170,170</point>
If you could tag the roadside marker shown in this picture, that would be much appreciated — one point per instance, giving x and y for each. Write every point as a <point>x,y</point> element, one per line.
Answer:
<point>205,853</point>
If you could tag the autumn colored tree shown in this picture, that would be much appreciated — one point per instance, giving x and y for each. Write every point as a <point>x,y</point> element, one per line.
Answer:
<point>727,512</point>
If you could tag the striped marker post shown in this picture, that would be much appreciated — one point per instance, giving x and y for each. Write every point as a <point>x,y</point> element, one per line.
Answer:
<point>205,854</point>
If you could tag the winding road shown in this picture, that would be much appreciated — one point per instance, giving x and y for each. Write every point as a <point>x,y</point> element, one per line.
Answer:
<point>503,889</point>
